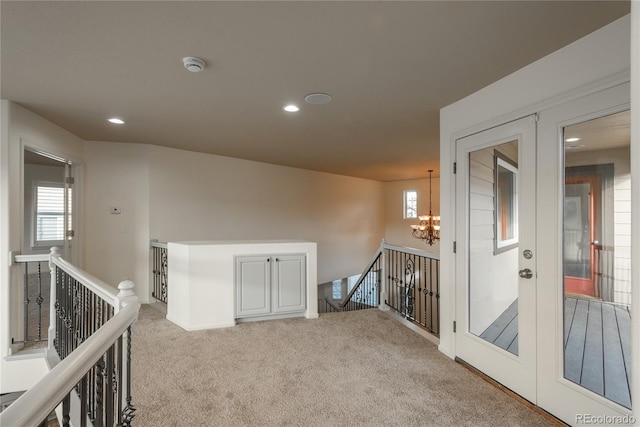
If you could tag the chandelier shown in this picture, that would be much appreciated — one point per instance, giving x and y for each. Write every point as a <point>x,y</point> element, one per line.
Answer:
<point>429,227</point>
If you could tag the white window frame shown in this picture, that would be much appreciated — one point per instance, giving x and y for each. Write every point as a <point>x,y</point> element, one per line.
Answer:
<point>501,245</point>
<point>406,204</point>
<point>34,215</point>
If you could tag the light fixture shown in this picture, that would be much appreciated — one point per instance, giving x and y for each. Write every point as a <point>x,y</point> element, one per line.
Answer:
<point>291,108</point>
<point>572,139</point>
<point>193,64</point>
<point>116,121</point>
<point>429,227</point>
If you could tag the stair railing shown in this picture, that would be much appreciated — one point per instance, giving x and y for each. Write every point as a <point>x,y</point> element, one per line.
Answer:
<point>159,270</point>
<point>366,291</point>
<point>403,279</point>
<point>90,349</point>
<point>413,286</point>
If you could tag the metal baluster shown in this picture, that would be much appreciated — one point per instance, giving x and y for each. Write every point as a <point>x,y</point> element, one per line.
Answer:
<point>25,298</point>
<point>437,330</point>
<point>66,407</point>
<point>99,392</point>
<point>39,301</point>
<point>109,392</point>
<point>119,379</point>
<point>129,410</point>
<point>83,401</point>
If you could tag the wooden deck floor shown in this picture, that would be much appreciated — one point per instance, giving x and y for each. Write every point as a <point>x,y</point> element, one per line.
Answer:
<point>597,342</point>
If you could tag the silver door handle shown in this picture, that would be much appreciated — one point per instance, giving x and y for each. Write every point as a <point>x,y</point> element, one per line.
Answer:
<point>526,273</point>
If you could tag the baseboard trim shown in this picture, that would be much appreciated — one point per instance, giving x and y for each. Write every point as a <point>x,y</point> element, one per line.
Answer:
<point>549,417</point>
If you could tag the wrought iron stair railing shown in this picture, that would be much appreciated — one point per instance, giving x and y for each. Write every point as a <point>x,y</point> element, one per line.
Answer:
<point>159,271</point>
<point>404,279</point>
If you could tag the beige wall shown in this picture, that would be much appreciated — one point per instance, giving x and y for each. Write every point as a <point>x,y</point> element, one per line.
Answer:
<point>117,246</point>
<point>196,196</point>
<point>177,195</point>
<point>397,229</point>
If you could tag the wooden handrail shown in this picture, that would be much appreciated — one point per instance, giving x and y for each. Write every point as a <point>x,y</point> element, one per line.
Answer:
<point>97,286</point>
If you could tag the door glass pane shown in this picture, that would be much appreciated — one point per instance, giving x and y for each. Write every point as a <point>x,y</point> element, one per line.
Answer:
<point>493,241</point>
<point>597,249</point>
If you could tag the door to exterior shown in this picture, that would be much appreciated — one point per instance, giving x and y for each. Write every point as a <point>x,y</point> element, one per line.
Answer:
<point>584,266</point>
<point>495,277</point>
<point>543,266</point>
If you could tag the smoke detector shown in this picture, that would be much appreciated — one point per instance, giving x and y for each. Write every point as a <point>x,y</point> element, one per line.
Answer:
<point>193,64</point>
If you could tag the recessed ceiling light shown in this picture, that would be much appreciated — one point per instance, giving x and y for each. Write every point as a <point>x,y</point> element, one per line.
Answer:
<point>291,108</point>
<point>116,121</point>
<point>318,98</point>
<point>572,139</point>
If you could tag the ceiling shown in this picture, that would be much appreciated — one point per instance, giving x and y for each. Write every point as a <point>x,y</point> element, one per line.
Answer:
<point>389,66</point>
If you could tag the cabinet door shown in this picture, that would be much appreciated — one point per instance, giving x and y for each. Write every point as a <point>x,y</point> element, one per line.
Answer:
<point>289,283</point>
<point>253,286</point>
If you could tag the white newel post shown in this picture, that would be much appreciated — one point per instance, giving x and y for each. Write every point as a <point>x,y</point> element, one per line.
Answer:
<point>383,279</point>
<point>126,295</point>
<point>55,253</point>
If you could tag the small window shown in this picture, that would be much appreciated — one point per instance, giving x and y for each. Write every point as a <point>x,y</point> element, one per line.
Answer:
<point>410,204</point>
<point>506,204</point>
<point>49,226</point>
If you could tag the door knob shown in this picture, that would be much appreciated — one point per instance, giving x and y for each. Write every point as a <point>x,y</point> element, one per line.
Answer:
<point>526,273</point>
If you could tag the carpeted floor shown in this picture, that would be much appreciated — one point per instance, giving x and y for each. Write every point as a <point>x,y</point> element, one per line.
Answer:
<point>344,369</point>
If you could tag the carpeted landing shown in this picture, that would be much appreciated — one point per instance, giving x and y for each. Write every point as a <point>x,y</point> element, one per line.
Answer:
<point>358,368</point>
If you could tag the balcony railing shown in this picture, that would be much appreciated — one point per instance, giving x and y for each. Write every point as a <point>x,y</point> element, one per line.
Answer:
<point>35,290</point>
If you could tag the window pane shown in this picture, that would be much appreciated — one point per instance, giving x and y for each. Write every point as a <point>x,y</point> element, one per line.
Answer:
<point>411,204</point>
<point>49,213</point>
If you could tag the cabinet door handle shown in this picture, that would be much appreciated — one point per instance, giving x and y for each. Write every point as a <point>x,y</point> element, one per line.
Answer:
<point>268,259</point>
<point>277,260</point>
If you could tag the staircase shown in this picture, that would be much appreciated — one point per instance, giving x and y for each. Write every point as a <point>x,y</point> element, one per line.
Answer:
<point>405,280</point>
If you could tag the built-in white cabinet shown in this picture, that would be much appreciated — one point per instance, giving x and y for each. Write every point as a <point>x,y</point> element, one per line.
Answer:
<point>270,285</point>
<point>216,284</point>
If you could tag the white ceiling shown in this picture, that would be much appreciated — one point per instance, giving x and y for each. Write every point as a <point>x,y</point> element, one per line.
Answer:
<point>390,66</point>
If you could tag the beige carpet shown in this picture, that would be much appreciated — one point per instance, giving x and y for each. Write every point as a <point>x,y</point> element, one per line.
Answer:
<point>344,369</point>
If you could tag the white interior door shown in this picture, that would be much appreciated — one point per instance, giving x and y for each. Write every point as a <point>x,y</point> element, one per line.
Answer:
<point>496,253</point>
<point>584,266</point>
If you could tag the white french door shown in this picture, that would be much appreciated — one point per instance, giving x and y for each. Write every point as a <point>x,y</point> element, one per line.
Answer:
<point>583,211</point>
<point>543,236</point>
<point>496,273</point>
